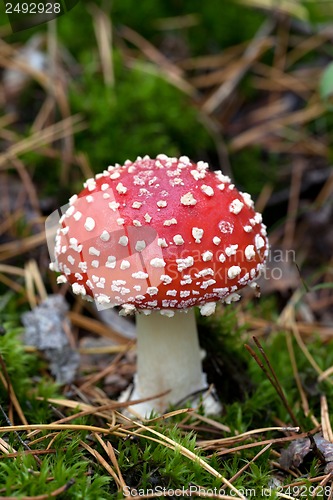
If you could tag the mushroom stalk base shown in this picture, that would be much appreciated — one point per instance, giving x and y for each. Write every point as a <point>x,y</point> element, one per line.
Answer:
<point>168,360</point>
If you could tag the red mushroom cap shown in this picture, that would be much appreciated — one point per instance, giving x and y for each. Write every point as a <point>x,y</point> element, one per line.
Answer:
<point>160,233</point>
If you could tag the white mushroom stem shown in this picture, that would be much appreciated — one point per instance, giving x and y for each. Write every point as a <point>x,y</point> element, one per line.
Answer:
<point>168,359</point>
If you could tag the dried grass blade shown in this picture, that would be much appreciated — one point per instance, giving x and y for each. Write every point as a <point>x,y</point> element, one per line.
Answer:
<point>104,463</point>
<point>283,495</point>
<point>261,131</point>
<point>116,405</point>
<point>247,465</point>
<point>173,73</point>
<point>321,485</point>
<point>16,271</point>
<point>103,33</point>
<point>99,411</point>
<point>41,138</point>
<point>325,374</point>
<point>102,374</point>
<point>108,349</point>
<point>112,455</point>
<point>258,443</point>
<point>211,422</point>
<point>43,114</point>
<point>305,403</point>
<point>97,327</point>
<point>8,59</point>
<point>38,280</point>
<point>20,454</point>
<point>288,80</point>
<point>168,415</point>
<point>108,448</point>
<point>6,120</point>
<point>305,350</point>
<point>325,193</point>
<point>12,284</point>
<point>47,496</point>
<point>308,44</point>
<point>245,435</point>
<point>179,493</point>
<point>293,203</point>
<point>28,184</point>
<point>29,286</point>
<point>18,247</point>
<point>10,219</point>
<point>57,427</point>
<point>4,377</point>
<point>325,419</point>
<point>213,61</point>
<point>259,44</point>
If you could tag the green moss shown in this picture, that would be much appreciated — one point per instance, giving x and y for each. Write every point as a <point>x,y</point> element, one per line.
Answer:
<point>253,168</point>
<point>143,114</point>
<point>67,466</point>
<point>22,369</point>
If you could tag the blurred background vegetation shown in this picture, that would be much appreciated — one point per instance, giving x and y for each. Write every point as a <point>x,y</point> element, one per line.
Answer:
<point>220,81</point>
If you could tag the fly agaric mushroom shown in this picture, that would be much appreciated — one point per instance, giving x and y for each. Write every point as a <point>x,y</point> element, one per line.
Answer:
<point>157,237</point>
